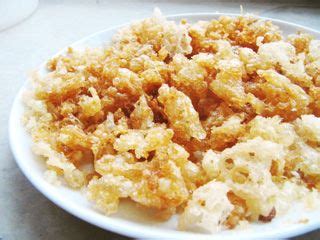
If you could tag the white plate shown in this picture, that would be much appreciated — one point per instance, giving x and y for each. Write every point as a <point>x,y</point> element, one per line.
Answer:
<point>14,11</point>
<point>131,221</point>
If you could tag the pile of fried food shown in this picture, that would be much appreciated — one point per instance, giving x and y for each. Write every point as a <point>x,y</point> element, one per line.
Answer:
<point>215,120</point>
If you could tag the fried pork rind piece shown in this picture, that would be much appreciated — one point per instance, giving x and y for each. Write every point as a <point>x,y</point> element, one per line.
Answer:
<point>307,149</point>
<point>228,84</point>
<point>161,179</point>
<point>300,41</point>
<point>216,116</point>
<point>59,163</point>
<point>307,162</point>
<point>308,128</point>
<point>271,129</point>
<point>251,60</point>
<point>291,191</point>
<point>74,137</point>
<point>227,134</point>
<point>174,38</point>
<point>293,81</point>
<point>263,95</point>
<point>285,98</point>
<point>128,81</point>
<point>245,168</point>
<point>275,130</point>
<point>190,74</point>
<point>312,68</point>
<point>143,141</point>
<point>313,61</point>
<point>45,145</point>
<point>107,190</point>
<point>181,114</point>
<point>68,76</point>
<point>90,105</point>
<point>37,118</point>
<point>157,184</point>
<point>314,51</point>
<point>105,134</point>
<point>284,54</point>
<point>142,115</point>
<point>157,141</point>
<point>245,31</point>
<point>300,140</point>
<point>208,208</point>
<point>268,148</point>
<point>294,137</point>
<point>194,176</point>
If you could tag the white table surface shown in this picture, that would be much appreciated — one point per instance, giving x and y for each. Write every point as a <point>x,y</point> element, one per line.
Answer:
<point>24,213</point>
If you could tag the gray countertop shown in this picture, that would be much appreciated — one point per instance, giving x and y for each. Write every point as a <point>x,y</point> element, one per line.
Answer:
<point>24,212</point>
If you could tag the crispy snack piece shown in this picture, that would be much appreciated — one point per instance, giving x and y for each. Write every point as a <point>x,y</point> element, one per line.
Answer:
<point>227,134</point>
<point>285,98</point>
<point>228,84</point>
<point>208,209</point>
<point>143,141</point>
<point>157,184</point>
<point>182,116</point>
<point>190,76</point>
<point>246,170</point>
<point>142,116</point>
<point>245,31</point>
